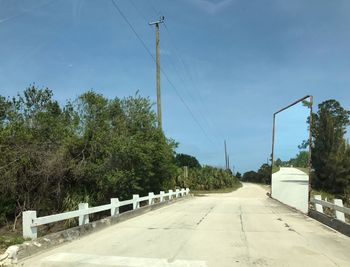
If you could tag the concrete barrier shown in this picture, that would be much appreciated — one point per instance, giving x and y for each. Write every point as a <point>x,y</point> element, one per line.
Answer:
<point>40,244</point>
<point>31,221</point>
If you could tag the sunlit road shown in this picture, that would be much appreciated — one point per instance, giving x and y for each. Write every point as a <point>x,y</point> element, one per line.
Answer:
<point>243,228</point>
<point>291,186</point>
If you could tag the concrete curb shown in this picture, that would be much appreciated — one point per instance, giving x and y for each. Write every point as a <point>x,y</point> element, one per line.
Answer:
<point>333,223</point>
<point>41,244</point>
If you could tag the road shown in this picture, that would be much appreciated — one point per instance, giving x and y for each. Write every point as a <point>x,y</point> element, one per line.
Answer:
<point>291,186</point>
<point>242,228</point>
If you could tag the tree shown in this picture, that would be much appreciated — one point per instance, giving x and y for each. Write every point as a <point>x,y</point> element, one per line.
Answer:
<point>239,175</point>
<point>264,174</point>
<point>330,151</point>
<point>300,160</point>
<point>250,176</point>
<point>186,160</point>
<point>91,149</point>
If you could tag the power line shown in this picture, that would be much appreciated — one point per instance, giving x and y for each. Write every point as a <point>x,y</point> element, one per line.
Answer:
<point>163,72</point>
<point>199,98</point>
<point>176,53</point>
<point>180,59</point>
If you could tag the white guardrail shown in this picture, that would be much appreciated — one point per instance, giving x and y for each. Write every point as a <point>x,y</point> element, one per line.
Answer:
<point>337,206</point>
<point>31,221</point>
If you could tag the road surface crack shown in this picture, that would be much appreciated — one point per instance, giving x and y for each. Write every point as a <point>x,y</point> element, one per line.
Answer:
<point>205,215</point>
<point>244,236</point>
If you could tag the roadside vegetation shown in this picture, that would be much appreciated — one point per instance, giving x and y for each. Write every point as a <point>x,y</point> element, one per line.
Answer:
<point>54,156</point>
<point>204,178</point>
<point>331,150</point>
<point>262,176</point>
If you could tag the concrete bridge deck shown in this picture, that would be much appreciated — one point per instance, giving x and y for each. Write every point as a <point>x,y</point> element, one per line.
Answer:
<point>243,228</point>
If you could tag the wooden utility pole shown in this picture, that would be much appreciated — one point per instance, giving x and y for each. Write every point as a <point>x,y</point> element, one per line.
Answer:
<point>228,162</point>
<point>159,106</point>
<point>226,159</point>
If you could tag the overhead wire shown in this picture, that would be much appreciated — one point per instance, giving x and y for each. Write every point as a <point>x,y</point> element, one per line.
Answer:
<point>198,98</point>
<point>161,69</point>
<point>186,87</point>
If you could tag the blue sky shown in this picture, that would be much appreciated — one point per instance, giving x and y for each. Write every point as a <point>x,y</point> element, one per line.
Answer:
<point>291,130</point>
<point>234,62</point>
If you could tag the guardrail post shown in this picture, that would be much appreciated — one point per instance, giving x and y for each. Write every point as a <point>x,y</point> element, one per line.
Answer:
<point>177,193</point>
<point>135,203</point>
<point>114,206</point>
<point>83,219</point>
<point>319,207</point>
<point>28,219</point>
<point>161,198</point>
<point>187,191</point>
<point>150,198</point>
<point>170,194</point>
<point>339,215</point>
<point>182,192</point>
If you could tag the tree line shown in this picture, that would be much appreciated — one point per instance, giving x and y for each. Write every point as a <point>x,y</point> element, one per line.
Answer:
<point>54,156</point>
<point>203,177</point>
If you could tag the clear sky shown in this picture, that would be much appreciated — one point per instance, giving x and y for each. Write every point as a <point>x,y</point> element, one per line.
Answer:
<point>291,130</point>
<point>234,62</point>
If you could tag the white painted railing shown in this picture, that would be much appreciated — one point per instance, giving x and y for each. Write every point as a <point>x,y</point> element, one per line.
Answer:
<point>337,206</point>
<point>31,221</point>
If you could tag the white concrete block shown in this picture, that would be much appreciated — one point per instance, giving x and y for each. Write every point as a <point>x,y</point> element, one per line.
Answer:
<point>150,198</point>
<point>319,207</point>
<point>136,202</point>
<point>161,196</point>
<point>339,215</point>
<point>83,219</point>
<point>114,206</point>
<point>28,219</point>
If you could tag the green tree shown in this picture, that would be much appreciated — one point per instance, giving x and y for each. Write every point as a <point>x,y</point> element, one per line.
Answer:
<point>330,151</point>
<point>91,149</point>
<point>186,160</point>
<point>264,174</point>
<point>250,176</point>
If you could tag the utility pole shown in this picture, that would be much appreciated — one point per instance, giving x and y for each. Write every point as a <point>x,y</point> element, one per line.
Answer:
<point>159,107</point>
<point>226,159</point>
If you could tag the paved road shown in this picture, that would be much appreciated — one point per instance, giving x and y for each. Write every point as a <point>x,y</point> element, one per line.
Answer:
<point>291,186</point>
<point>243,228</point>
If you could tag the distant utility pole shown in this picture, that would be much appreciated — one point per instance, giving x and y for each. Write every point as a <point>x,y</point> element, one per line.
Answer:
<point>226,158</point>
<point>159,107</point>
<point>228,162</point>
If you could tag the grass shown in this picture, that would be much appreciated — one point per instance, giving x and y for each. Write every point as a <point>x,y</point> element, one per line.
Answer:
<point>217,191</point>
<point>11,238</point>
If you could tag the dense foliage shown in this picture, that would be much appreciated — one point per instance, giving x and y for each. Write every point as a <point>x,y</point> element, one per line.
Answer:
<point>300,160</point>
<point>53,157</point>
<point>208,178</point>
<point>263,175</point>
<point>186,160</point>
<point>92,149</point>
<point>330,150</point>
